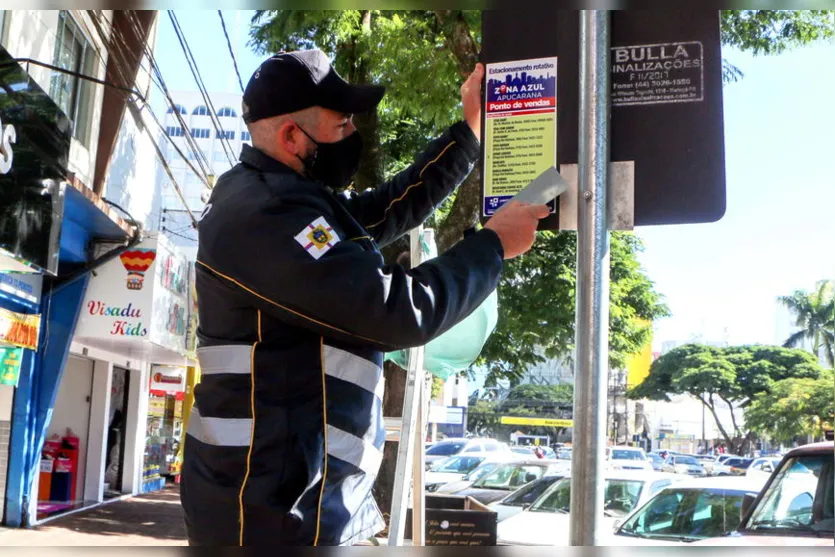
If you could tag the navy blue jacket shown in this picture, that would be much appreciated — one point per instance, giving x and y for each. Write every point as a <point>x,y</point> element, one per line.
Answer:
<point>296,308</point>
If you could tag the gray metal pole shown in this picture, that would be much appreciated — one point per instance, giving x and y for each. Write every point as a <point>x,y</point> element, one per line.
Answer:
<point>592,319</point>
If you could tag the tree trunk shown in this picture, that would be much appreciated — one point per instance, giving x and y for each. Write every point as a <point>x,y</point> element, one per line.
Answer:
<point>370,173</point>
<point>392,407</point>
<point>463,214</point>
<point>710,406</point>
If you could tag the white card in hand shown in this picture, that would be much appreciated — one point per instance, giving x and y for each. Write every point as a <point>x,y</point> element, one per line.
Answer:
<point>544,188</point>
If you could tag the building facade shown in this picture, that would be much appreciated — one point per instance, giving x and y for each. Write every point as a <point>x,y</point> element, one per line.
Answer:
<point>219,140</point>
<point>96,313</point>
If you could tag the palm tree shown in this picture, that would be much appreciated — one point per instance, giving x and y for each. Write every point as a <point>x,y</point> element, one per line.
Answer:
<point>815,313</point>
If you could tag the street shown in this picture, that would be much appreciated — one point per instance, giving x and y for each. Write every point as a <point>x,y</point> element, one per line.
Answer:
<point>146,520</point>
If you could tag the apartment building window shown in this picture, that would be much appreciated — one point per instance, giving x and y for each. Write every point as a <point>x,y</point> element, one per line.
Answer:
<point>180,108</point>
<point>226,111</point>
<point>245,136</point>
<point>73,52</point>
<point>200,111</point>
<point>174,131</point>
<point>226,134</point>
<point>200,133</point>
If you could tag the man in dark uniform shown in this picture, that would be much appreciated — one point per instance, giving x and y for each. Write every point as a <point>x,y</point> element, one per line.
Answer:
<point>297,308</point>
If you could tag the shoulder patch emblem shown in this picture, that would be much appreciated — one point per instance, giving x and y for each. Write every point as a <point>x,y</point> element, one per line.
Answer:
<point>317,238</point>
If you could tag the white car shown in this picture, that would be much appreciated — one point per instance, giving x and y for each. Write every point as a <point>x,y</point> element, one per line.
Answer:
<point>459,485</point>
<point>763,467</point>
<point>523,497</point>
<point>724,468</point>
<point>456,468</point>
<point>451,447</point>
<point>628,458</point>
<point>688,511</point>
<point>546,522</point>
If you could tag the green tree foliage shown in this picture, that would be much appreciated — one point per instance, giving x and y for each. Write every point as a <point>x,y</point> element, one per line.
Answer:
<point>771,32</point>
<point>794,407</point>
<point>535,401</point>
<point>735,376</point>
<point>815,316</point>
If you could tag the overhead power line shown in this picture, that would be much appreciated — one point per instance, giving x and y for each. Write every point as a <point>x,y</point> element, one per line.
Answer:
<point>156,78</point>
<point>121,68</point>
<point>195,71</point>
<point>231,51</point>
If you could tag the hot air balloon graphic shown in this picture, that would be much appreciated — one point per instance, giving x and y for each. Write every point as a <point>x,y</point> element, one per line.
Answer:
<point>136,262</point>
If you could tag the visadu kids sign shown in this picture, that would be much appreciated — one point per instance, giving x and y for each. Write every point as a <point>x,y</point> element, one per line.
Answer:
<point>141,296</point>
<point>120,296</point>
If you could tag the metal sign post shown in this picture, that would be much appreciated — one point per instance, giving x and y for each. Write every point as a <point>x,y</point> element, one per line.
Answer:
<point>411,431</point>
<point>592,317</point>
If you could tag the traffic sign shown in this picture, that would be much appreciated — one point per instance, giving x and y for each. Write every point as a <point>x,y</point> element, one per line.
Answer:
<point>666,108</point>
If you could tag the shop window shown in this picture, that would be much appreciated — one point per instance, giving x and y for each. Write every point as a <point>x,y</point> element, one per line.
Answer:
<point>73,52</point>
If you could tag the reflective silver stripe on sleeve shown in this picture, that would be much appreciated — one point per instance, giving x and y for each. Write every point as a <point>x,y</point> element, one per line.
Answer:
<point>354,450</point>
<point>354,369</point>
<point>220,432</point>
<point>227,358</point>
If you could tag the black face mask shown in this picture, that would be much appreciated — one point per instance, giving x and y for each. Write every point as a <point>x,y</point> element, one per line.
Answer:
<point>333,164</point>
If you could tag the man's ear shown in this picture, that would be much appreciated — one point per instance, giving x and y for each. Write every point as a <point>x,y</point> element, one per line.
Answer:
<point>288,137</point>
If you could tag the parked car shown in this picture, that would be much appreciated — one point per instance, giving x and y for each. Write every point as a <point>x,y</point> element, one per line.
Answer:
<point>656,461</point>
<point>509,477</point>
<point>529,450</point>
<point>451,469</point>
<point>710,465</point>
<point>523,497</point>
<point>456,486</point>
<point>683,464</point>
<point>687,511</point>
<point>452,447</point>
<point>546,522</point>
<point>564,454</point>
<point>796,507</point>
<point>762,467</point>
<point>724,468</point>
<point>741,468</point>
<point>628,458</point>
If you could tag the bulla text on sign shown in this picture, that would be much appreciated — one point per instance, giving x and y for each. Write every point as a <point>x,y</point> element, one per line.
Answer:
<point>655,57</point>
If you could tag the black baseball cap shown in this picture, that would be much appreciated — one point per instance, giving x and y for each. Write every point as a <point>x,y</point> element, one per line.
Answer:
<point>293,81</point>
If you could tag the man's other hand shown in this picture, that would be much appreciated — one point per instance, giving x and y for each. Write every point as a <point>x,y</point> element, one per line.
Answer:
<point>515,224</point>
<point>471,99</point>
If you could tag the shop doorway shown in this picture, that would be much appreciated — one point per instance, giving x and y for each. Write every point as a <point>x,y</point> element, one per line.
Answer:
<point>62,478</point>
<point>116,433</point>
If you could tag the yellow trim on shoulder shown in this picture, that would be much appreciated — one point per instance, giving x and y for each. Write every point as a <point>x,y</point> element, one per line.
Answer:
<point>358,238</point>
<point>251,431</point>
<point>325,433</point>
<point>276,304</point>
<point>433,161</point>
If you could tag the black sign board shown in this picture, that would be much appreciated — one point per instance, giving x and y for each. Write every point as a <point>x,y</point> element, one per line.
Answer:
<point>455,521</point>
<point>35,145</point>
<point>666,100</point>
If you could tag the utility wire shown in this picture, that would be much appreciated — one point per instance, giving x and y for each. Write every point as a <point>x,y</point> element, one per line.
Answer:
<point>201,86</point>
<point>231,51</point>
<point>155,78</point>
<point>121,68</point>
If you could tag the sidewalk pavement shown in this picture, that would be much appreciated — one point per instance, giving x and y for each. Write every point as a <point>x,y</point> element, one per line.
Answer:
<point>152,519</point>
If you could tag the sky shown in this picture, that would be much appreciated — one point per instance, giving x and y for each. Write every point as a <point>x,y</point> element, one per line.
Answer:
<point>720,280</point>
